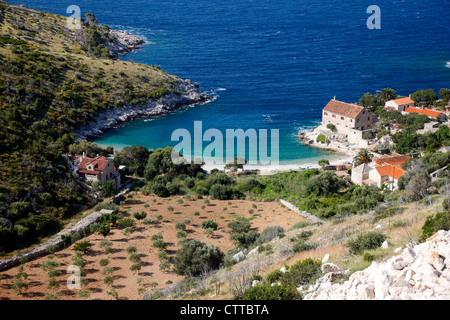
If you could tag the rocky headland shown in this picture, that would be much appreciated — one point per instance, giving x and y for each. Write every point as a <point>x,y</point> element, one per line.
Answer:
<point>190,95</point>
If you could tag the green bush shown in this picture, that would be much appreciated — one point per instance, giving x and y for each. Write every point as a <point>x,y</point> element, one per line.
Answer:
<point>434,223</point>
<point>195,256</point>
<point>302,273</point>
<point>83,246</point>
<point>367,241</point>
<point>269,292</point>
<point>219,191</point>
<point>126,223</point>
<point>209,224</point>
<point>140,215</point>
<point>321,138</point>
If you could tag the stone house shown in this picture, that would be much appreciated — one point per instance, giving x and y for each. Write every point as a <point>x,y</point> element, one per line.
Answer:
<point>399,105</point>
<point>99,169</point>
<point>345,116</point>
<point>385,170</point>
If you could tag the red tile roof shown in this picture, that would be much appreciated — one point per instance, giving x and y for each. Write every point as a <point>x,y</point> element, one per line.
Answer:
<point>98,163</point>
<point>403,101</point>
<point>396,160</point>
<point>428,112</point>
<point>344,109</point>
<point>391,171</point>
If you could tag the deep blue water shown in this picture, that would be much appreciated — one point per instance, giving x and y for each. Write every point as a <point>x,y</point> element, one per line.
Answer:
<point>274,64</point>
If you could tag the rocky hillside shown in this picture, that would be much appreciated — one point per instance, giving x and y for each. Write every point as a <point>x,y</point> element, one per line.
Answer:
<point>419,272</point>
<point>55,84</point>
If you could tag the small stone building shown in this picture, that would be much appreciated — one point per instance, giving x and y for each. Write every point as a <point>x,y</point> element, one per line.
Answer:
<point>399,105</point>
<point>99,169</point>
<point>345,116</point>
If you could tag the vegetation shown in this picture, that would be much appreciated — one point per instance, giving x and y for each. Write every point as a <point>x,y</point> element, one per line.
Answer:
<point>196,257</point>
<point>53,82</point>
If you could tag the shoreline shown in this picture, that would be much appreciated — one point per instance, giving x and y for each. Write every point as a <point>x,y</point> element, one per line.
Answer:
<point>284,166</point>
<point>110,119</point>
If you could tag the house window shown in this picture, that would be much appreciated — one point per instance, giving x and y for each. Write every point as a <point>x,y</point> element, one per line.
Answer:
<point>357,120</point>
<point>342,118</point>
<point>351,120</point>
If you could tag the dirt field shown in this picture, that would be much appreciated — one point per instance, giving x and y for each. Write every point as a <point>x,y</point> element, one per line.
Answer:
<point>125,281</point>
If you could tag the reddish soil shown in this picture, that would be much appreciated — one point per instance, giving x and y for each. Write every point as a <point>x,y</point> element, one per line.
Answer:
<point>126,281</point>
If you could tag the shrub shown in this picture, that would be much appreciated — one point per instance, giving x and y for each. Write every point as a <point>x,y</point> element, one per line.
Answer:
<point>219,191</point>
<point>239,226</point>
<point>274,276</point>
<point>209,224</point>
<point>269,292</point>
<point>331,126</point>
<point>83,246</point>
<point>104,262</point>
<point>135,267</point>
<point>131,249</point>
<point>321,138</point>
<point>195,256</point>
<point>126,223</point>
<point>181,234</point>
<point>160,244</point>
<point>270,233</point>
<point>180,226</point>
<point>302,273</point>
<point>368,241</point>
<point>434,223</point>
<point>104,229</point>
<point>140,215</point>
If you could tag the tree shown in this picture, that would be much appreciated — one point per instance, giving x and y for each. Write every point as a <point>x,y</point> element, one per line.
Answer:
<point>196,257</point>
<point>161,161</point>
<point>134,158</point>
<point>219,191</point>
<point>109,189</point>
<point>387,94</point>
<point>104,229</point>
<point>428,96</point>
<point>363,156</point>
<point>368,101</point>
<point>323,162</point>
<point>238,163</point>
<point>417,187</point>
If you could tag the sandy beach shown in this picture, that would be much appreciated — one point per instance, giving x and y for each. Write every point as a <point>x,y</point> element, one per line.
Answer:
<point>285,166</point>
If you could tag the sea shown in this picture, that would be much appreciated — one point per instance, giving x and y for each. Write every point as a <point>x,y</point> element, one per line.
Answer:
<point>274,64</point>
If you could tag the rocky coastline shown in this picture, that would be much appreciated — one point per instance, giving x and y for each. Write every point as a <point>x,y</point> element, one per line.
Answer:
<point>190,95</point>
<point>123,43</point>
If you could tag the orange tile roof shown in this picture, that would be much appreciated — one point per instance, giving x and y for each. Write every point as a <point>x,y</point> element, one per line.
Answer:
<point>391,171</point>
<point>402,101</point>
<point>396,160</point>
<point>428,112</point>
<point>98,163</point>
<point>344,109</point>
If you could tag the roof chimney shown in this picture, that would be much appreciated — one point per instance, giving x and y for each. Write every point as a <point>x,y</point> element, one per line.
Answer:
<point>334,98</point>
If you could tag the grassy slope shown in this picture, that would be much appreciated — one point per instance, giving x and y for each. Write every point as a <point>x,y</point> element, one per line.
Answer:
<point>48,87</point>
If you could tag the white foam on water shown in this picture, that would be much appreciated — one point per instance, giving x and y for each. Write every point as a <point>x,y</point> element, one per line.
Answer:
<point>447,65</point>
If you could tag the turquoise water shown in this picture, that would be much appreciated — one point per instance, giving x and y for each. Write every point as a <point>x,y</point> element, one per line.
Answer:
<point>275,64</point>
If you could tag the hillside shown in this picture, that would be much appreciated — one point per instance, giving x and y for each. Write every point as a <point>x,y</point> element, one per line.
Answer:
<point>54,83</point>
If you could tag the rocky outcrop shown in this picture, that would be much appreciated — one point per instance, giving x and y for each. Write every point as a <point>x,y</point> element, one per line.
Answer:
<point>190,95</point>
<point>123,43</point>
<point>419,272</point>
